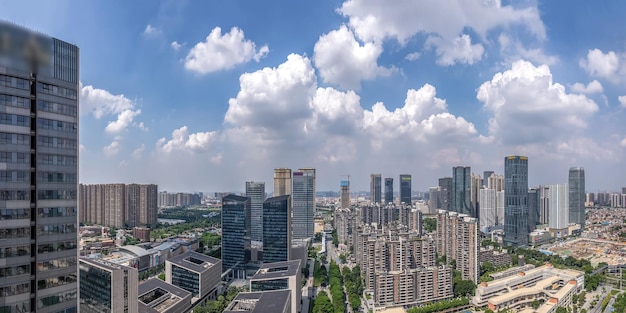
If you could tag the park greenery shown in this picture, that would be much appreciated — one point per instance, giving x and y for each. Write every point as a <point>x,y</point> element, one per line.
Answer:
<point>335,281</point>
<point>219,305</point>
<point>354,286</point>
<point>440,306</point>
<point>319,274</point>
<point>461,287</point>
<point>322,303</point>
<point>430,224</point>
<point>335,238</point>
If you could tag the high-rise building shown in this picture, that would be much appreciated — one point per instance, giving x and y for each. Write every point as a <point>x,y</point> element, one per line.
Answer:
<point>119,205</point>
<point>486,175</point>
<point>106,287</point>
<point>488,207</point>
<point>446,191</point>
<point>148,204</point>
<point>376,188</point>
<point>534,215</point>
<point>496,182</point>
<point>516,201</point>
<point>543,196</point>
<point>559,209</point>
<point>388,190</point>
<point>256,192</point>
<point>235,234</point>
<point>475,185</point>
<point>458,239</point>
<point>461,183</point>
<point>282,182</point>
<point>577,196</point>
<point>276,229</point>
<point>303,203</point>
<point>434,197</point>
<point>345,194</point>
<point>39,83</point>
<point>405,189</point>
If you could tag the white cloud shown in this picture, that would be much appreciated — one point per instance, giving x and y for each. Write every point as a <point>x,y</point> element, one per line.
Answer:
<point>623,143</point>
<point>175,45</point>
<point>460,50</point>
<point>100,102</point>
<point>591,88</point>
<point>82,148</point>
<point>343,61</point>
<point>413,56</point>
<point>137,154</point>
<point>221,52</point>
<point>610,65</point>
<point>529,108</point>
<point>622,101</point>
<point>124,119</point>
<point>513,50</point>
<point>112,149</point>
<point>151,30</point>
<point>185,142</point>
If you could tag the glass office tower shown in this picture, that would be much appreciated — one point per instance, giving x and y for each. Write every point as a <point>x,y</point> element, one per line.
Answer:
<point>235,233</point>
<point>38,171</point>
<point>376,188</point>
<point>405,189</point>
<point>516,201</point>
<point>577,196</point>
<point>277,229</point>
<point>461,189</point>
<point>256,192</point>
<point>303,203</point>
<point>388,190</point>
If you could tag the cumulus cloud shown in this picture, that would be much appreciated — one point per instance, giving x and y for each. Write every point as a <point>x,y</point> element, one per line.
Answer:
<point>528,107</point>
<point>137,153</point>
<point>183,141</point>
<point>610,65</point>
<point>513,50</point>
<point>151,30</point>
<point>221,52</point>
<point>622,101</point>
<point>112,149</point>
<point>175,45</point>
<point>100,102</point>
<point>591,88</point>
<point>413,56</point>
<point>623,143</point>
<point>343,61</point>
<point>460,50</point>
<point>124,119</point>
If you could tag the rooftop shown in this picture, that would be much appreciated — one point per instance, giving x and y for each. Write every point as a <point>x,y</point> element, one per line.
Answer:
<point>195,261</point>
<point>156,295</point>
<point>260,302</point>
<point>277,270</point>
<point>103,264</point>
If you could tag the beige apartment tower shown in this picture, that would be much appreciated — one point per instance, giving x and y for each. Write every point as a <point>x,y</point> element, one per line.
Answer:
<point>282,182</point>
<point>457,239</point>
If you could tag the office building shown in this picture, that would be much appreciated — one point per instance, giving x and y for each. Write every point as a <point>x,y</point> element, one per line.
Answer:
<point>475,186</point>
<point>486,175</point>
<point>106,287</point>
<point>458,239</point>
<point>345,194</point>
<point>303,203</point>
<point>461,183</point>
<point>516,201</point>
<point>533,209</point>
<point>405,188</point>
<point>277,301</point>
<point>119,205</point>
<point>282,182</point>
<point>277,229</point>
<point>491,207</point>
<point>157,296</point>
<point>445,193</point>
<point>39,83</point>
<point>280,276</point>
<point>376,185</point>
<point>543,200</point>
<point>235,234</point>
<point>388,190</point>
<point>256,192</point>
<point>559,210</point>
<point>195,272</point>
<point>577,196</point>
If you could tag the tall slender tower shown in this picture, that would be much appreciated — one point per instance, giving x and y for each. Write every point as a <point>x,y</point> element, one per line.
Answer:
<point>388,190</point>
<point>282,182</point>
<point>376,188</point>
<point>577,196</point>
<point>516,201</point>
<point>405,189</point>
<point>445,188</point>
<point>256,192</point>
<point>345,194</point>
<point>277,229</point>
<point>39,166</point>
<point>303,203</point>
<point>461,184</point>
<point>235,234</point>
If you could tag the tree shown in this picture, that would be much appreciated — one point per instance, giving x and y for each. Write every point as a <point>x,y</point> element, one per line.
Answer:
<point>162,276</point>
<point>342,258</point>
<point>430,224</point>
<point>322,303</point>
<point>535,304</point>
<point>561,310</point>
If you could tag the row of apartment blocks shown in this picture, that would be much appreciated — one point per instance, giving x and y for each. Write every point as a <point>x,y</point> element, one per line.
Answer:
<point>118,205</point>
<point>179,199</point>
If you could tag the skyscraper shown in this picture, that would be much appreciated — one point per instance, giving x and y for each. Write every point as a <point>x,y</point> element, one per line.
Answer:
<point>256,192</point>
<point>486,175</point>
<point>376,188</point>
<point>39,166</point>
<point>577,196</point>
<point>235,234</point>
<point>282,182</point>
<point>516,201</point>
<point>445,192</point>
<point>276,229</point>
<point>559,209</point>
<point>405,189</point>
<point>388,190</point>
<point>345,194</point>
<point>533,209</point>
<point>303,203</point>
<point>461,190</point>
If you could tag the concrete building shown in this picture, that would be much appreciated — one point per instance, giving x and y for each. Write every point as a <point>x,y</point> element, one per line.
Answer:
<point>491,207</point>
<point>559,209</point>
<point>119,205</point>
<point>107,287</point>
<point>376,188</point>
<point>157,296</point>
<point>576,181</point>
<point>495,181</point>
<point>303,203</point>
<point>282,182</point>
<point>345,194</point>
<point>457,239</point>
<point>235,234</point>
<point>39,86</point>
<point>497,258</point>
<point>142,233</point>
<point>516,201</point>
<point>280,276</point>
<point>256,192</point>
<point>277,229</point>
<point>277,301</point>
<point>197,273</point>
<point>405,189</point>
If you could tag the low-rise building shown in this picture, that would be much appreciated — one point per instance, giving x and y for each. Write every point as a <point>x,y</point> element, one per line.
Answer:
<point>280,276</point>
<point>107,287</point>
<point>277,301</point>
<point>197,273</point>
<point>157,296</point>
<point>497,258</point>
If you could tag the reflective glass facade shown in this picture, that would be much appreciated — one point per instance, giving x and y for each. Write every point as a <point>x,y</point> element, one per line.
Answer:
<point>235,231</point>
<point>405,189</point>
<point>256,192</point>
<point>38,171</point>
<point>461,189</point>
<point>388,190</point>
<point>186,279</point>
<point>516,201</point>
<point>303,203</point>
<point>276,229</point>
<point>376,186</point>
<point>273,284</point>
<point>577,196</point>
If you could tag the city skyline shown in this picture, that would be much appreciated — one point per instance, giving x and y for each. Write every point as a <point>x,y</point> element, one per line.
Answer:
<point>504,80</point>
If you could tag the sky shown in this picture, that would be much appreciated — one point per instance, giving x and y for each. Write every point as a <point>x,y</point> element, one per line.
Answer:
<point>205,95</point>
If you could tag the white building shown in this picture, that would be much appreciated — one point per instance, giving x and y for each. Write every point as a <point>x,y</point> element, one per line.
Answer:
<point>559,209</point>
<point>491,207</point>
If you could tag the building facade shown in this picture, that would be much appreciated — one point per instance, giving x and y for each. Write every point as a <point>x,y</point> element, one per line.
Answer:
<point>445,193</point>
<point>282,182</point>
<point>388,190</point>
<point>107,287</point>
<point>197,273</point>
<point>303,203</point>
<point>119,205</point>
<point>461,183</point>
<point>256,192</point>
<point>376,185</point>
<point>280,276</point>
<point>405,189</point>
<point>516,201</point>
<point>559,209</point>
<point>235,234</point>
<point>577,196</point>
<point>277,229</point>
<point>458,239</point>
<point>39,85</point>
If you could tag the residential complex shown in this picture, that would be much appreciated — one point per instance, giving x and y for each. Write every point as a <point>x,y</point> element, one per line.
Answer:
<point>178,199</point>
<point>457,239</point>
<point>118,205</point>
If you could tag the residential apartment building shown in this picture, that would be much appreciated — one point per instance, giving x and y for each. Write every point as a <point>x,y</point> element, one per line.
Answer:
<point>119,205</point>
<point>458,239</point>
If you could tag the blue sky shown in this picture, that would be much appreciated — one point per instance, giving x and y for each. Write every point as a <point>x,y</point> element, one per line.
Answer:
<point>205,95</point>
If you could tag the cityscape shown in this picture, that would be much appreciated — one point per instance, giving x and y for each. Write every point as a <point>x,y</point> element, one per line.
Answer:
<point>286,184</point>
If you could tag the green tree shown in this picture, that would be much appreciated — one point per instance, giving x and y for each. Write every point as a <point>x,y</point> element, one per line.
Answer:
<point>561,310</point>
<point>430,224</point>
<point>322,303</point>
<point>535,304</point>
<point>162,276</point>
